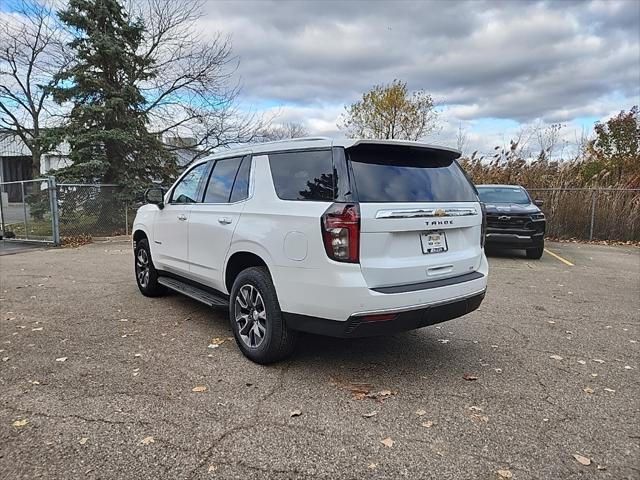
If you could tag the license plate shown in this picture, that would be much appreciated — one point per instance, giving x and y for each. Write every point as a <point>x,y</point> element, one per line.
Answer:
<point>433,242</point>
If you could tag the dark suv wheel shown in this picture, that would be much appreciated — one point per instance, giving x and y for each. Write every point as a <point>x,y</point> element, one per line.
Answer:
<point>146,274</point>
<point>256,319</point>
<point>536,252</point>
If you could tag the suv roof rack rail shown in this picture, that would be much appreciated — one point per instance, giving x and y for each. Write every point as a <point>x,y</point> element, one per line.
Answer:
<point>298,139</point>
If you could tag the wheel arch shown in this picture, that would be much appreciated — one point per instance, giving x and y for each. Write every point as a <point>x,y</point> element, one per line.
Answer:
<point>239,260</point>
<point>139,234</point>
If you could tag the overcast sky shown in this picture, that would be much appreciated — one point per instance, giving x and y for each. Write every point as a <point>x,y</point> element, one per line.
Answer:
<point>492,66</point>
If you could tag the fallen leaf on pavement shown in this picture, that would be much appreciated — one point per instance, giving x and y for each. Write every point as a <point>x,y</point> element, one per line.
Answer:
<point>295,413</point>
<point>381,395</point>
<point>588,390</point>
<point>199,388</point>
<point>476,417</point>
<point>20,423</point>
<point>212,468</point>
<point>555,357</point>
<point>61,359</point>
<point>217,341</point>
<point>582,460</point>
<point>358,390</point>
<point>372,466</point>
<point>505,473</point>
<point>370,414</point>
<point>147,440</point>
<point>469,377</point>
<point>83,440</point>
<point>428,424</point>
<point>387,442</point>
<point>420,412</point>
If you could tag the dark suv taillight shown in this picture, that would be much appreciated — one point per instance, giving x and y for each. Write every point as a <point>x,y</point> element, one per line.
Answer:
<point>340,226</point>
<point>483,229</point>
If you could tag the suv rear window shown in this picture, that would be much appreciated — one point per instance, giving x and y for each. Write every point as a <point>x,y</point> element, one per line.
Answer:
<point>405,174</point>
<point>305,175</point>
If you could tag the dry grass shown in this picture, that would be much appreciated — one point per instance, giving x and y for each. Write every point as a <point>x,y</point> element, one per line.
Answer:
<point>568,205</point>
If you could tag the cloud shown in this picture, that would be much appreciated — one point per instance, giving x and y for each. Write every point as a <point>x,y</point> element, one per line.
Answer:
<point>517,60</point>
<point>486,62</point>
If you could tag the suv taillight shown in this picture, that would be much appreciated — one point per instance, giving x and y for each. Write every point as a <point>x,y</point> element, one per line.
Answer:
<point>340,226</point>
<point>483,228</point>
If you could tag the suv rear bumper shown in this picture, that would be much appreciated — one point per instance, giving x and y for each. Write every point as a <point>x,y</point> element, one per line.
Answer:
<point>340,293</point>
<point>362,326</point>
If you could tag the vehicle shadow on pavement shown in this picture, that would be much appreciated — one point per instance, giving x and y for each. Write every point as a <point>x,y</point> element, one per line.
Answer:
<point>420,351</point>
<point>505,253</point>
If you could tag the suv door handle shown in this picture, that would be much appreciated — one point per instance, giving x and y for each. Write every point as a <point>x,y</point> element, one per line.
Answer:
<point>224,220</point>
<point>182,217</point>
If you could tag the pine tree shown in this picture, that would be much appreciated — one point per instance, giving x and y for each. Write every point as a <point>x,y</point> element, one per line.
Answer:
<point>107,127</point>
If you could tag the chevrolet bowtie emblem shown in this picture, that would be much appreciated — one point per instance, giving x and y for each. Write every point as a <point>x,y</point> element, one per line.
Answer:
<point>438,212</point>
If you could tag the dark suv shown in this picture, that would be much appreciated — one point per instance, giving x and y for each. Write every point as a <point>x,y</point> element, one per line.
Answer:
<point>513,219</point>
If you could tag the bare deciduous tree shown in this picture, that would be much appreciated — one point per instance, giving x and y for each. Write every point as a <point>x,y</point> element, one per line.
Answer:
<point>30,54</point>
<point>283,132</point>
<point>192,93</point>
<point>462,139</point>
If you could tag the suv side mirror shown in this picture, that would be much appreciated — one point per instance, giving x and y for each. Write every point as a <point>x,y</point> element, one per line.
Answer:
<point>537,202</point>
<point>155,195</point>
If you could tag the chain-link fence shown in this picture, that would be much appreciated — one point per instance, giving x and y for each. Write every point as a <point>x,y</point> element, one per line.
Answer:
<point>591,214</point>
<point>26,210</point>
<point>40,210</point>
<point>95,210</point>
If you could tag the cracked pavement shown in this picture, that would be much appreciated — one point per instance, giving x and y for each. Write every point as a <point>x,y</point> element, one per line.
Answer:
<point>545,333</point>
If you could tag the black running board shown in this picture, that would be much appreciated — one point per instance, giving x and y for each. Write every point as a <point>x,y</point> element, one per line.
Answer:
<point>208,298</point>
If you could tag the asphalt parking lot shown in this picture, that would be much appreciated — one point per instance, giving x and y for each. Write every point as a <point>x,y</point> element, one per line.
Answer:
<point>96,381</point>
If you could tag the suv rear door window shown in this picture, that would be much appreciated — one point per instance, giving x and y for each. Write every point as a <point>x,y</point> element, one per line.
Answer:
<point>305,175</point>
<point>404,174</point>
<point>221,180</point>
<point>241,185</point>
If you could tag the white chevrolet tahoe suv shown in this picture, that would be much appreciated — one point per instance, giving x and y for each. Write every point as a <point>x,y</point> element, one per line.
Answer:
<point>346,238</point>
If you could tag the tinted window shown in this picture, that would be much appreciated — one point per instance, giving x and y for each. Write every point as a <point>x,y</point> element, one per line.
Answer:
<point>303,175</point>
<point>221,180</point>
<point>187,189</point>
<point>401,174</point>
<point>241,185</point>
<point>503,195</point>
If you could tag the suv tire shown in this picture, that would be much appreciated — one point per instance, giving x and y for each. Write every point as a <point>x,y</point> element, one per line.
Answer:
<point>146,273</point>
<point>535,253</point>
<point>256,318</point>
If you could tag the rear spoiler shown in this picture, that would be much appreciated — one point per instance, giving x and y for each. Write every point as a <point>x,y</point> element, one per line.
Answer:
<point>445,153</point>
